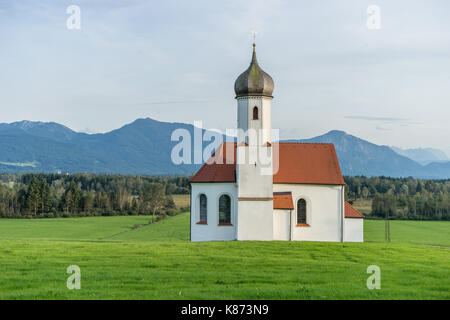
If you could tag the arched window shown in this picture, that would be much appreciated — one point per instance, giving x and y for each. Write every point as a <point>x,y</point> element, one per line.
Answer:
<point>203,209</point>
<point>255,113</point>
<point>301,211</point>
<point>224,209</point>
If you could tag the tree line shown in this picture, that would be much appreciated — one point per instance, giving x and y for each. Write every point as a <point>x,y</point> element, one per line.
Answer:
<point>53,195</point>
<point>402,198</point>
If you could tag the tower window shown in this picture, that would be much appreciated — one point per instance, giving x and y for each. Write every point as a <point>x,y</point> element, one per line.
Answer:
<point>255,113</point>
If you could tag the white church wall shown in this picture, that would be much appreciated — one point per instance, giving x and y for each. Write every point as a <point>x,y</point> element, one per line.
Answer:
<point>255,220</point>
<point>323,212</point>
<point>354,230</point>
<point>212,231</point>
<point>252,178</point>
<point>255,193</point>
<point>281,224</point>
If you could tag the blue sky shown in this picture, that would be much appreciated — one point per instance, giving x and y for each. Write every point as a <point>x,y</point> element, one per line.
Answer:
<point>177,61</point>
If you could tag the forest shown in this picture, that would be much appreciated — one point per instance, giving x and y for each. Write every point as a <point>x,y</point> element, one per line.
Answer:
<point>56,195</point>
<point>53,195</point>
<point>402,198</point>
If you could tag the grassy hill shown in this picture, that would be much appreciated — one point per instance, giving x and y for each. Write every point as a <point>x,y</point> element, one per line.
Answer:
<point>158,262</point>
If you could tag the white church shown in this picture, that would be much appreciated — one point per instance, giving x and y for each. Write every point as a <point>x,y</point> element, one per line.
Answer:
<point>300,198</point>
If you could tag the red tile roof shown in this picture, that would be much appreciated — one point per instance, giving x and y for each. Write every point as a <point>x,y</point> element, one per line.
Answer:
<point>282,200</point>
<point>302,163</point>
<point>221,170</point>
<point>351,212</point>
<point>308,163</point>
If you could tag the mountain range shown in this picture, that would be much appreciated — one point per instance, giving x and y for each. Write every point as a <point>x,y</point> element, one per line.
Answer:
<point>360,157</point>
<point>423,155</point>
<point>144,147</point>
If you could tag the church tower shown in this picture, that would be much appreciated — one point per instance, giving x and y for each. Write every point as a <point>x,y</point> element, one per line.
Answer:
<point>253,90</point>
<point>254,169</point>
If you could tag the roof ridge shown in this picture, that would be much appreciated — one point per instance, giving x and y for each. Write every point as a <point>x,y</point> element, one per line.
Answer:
<point>321,143</point>
<point>282,192</point>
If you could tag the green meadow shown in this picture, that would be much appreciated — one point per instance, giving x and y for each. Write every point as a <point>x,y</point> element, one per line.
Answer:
<point>127,258</point>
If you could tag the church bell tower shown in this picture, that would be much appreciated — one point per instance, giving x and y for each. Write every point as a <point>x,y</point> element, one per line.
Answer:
<point>253,90</point>
<point>254,169</point>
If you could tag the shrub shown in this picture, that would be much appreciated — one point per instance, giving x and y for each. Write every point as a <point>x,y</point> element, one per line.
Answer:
<point>172,212</point>
<point>161,216</point>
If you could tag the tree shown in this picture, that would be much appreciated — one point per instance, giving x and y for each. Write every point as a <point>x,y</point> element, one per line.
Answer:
<point>33,198</point>
<point>87,201</point>
<point>365,192</point>
<point>155,198</point>
<point>123,198</point>
<point>45,196</point>
<point>72,198</point>
<point>404,189</point>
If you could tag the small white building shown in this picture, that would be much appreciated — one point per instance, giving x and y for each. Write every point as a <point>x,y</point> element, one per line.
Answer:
<point>294,194</point>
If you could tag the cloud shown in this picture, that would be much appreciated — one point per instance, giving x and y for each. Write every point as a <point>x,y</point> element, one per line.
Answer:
<point>172,102</point>
<point>383,128</point>
<point>368,118</point>
<point>403,122</point>
<point>110,4</point>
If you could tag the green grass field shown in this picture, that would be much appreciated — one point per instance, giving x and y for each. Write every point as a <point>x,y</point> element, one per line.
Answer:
<point>158,262</point>
<point>363,205</point>
<point>182,200</point>
<point>432,233</point>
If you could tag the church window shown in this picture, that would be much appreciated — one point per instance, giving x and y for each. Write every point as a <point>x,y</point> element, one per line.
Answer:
<point>203,209</point>
<point>301,211</point>
<point>224,209</point>
<point>255,113</point>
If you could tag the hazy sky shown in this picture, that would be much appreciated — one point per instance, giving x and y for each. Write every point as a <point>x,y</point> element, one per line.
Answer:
<point>178,60</point>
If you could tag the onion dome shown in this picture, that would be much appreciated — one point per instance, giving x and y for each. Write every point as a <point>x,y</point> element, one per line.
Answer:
<point>254,81</point>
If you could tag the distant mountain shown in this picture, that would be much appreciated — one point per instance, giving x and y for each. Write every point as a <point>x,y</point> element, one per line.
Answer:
<point>360,157</point>
<point>141,147</point>
<point>423,155</point>
<point>51,130</point>
<point>438,170</point>
<point>23,152</point>
<point>144,147</point>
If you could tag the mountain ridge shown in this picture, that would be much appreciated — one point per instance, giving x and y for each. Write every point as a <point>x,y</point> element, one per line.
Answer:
<point>144,147</point>
<point>423,155</point>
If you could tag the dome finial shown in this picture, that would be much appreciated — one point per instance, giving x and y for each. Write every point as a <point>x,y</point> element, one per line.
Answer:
<point>254,32</point>
<point>254,60</point>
